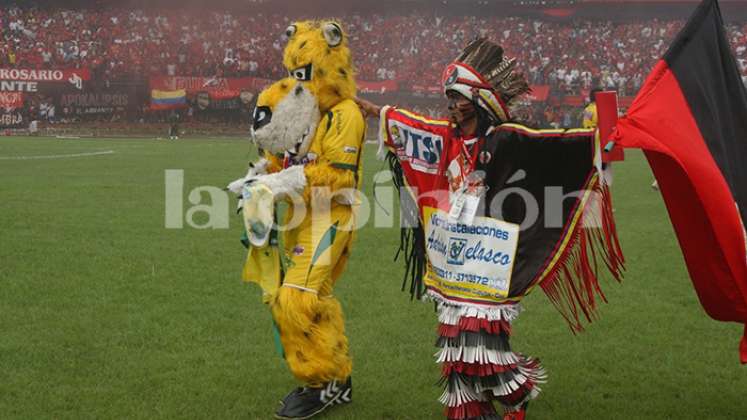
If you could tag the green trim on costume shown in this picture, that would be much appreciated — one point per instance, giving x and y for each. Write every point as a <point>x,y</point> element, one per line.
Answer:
<point>325,243</point>
<point>278,342</point>
<point>276,240</point>
<point>347,166</point>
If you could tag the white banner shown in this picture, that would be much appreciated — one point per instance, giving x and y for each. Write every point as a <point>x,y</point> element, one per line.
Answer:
<point>475,258</point>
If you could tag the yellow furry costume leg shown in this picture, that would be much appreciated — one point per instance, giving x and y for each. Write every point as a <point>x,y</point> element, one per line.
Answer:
<point>309,318</point>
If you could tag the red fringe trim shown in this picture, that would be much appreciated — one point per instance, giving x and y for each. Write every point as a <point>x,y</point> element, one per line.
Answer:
<point>573,283</point>
<point>475,369</point>
<point>450,331</point>
<point>470,409</point>
<point>473,324</point>
<point>491,327</point>
<point>515,415</point>
<point>517,397</point>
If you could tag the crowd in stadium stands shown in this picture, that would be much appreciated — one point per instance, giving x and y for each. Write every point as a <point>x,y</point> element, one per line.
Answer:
<point>569,56</point>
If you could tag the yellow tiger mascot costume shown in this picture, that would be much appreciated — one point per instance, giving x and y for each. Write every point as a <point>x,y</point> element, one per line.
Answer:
<point>311,134</point>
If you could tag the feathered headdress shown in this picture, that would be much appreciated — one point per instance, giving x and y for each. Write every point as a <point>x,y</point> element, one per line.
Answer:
<point>482,74</point>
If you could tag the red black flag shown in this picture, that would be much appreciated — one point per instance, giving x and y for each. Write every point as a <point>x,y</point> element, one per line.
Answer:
<point>690,118</point>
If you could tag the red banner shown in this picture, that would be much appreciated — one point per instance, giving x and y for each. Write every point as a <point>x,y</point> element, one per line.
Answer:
<point>539,93</point>
<point>227,88</point>
<point>28,80</point>
<point>424,90</point>
<point>11,100</point>
<point>579,100</point>
<point>378,87</point>
<point>31,75</point>
<point>217,87</point>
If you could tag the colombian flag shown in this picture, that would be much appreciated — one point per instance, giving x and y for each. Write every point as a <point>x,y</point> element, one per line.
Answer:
<point>167,99</point>
<point>690,119</point>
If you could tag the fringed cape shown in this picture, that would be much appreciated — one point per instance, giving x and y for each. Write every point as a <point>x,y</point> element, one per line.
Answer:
<point>545,180</point>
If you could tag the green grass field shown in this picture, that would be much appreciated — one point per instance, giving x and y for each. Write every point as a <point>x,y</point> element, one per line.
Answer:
<point>105,313</point>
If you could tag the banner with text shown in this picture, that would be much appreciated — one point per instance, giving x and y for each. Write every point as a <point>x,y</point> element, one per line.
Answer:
<point>218,88</point>
<point>29,80</point>
<point>11,100</point>
<point>11,119</point>
<point>97,103</point>
<point>386,86</point>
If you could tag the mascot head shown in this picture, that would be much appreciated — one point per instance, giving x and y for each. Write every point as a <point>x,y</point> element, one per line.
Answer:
<point>321,72</point>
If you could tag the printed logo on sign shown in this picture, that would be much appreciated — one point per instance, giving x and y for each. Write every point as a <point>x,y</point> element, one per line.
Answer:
<point>456,251</point>
<point>498,283</point>
<point>76,81</point>
<point>470,260</point>
<point>421,148</point>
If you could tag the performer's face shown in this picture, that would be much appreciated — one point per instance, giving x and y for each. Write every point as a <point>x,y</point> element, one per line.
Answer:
<point>461,109</point>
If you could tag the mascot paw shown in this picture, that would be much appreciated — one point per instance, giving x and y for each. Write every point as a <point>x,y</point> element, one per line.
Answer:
<point>287,182</point>
<point>255,169</point>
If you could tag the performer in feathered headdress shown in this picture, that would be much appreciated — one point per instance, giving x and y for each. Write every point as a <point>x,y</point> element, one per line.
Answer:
<point>498,209</point>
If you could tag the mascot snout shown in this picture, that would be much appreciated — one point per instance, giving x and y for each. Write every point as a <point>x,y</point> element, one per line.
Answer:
<point>285,118</point>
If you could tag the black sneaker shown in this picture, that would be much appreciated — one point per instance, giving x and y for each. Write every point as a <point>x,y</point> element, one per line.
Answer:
<point>290,395</point>
<point>304,403</point>
<point>346,392</point>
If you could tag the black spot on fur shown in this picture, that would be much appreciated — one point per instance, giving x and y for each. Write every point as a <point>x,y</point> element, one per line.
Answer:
<point>343,72</point>
<point>329,51</point>
<point>284,86</point>
<point>336,91</point>
<point>320,73</point>
<point>298,90</point>
<point>301,358</point>
<point>303,44</point>
<point>317,318</point>
<point>307,334</point>
<point>339,345</point>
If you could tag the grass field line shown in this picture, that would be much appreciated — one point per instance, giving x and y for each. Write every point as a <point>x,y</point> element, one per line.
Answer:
<point>72,155</point>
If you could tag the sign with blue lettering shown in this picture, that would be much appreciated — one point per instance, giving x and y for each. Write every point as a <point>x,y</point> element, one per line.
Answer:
<point>470,261</point>
<point>421,148</point>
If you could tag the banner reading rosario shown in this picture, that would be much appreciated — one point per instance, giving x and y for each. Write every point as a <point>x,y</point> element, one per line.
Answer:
<point>472,262</point>
<point>27,80</point>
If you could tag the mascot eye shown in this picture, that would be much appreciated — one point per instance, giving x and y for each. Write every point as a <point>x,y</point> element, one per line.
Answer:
<point>262,116</point>
<point>290,31</point>
<point>302,73</point>
<point>332,33</point>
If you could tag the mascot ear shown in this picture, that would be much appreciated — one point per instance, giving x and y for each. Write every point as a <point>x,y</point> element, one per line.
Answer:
<point>332,33</point>
<point>290,31</point>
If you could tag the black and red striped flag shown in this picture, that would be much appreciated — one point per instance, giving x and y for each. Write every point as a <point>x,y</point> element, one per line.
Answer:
<point>690,118</point>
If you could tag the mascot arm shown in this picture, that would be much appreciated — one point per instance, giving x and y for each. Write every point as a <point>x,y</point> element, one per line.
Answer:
<point>327,175</point>
<point>255,169</point>
<point>285,183</point>
<point>265,165</point>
